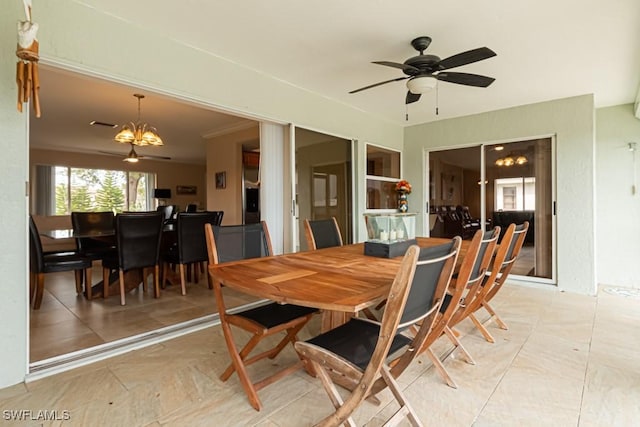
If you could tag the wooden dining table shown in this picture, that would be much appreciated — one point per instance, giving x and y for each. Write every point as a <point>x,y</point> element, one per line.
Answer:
<point>340,280</point>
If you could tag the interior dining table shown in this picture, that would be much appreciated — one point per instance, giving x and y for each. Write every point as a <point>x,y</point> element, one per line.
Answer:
<point>340,280</point>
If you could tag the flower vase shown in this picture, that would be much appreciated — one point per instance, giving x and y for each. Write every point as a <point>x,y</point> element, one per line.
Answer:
<point>403,206</point>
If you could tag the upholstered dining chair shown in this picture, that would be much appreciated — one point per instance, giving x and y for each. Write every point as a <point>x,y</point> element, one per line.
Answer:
<point>138,240</point>
<point>237,242</point>
<point>41,264</point>
<point>94,222</point>
<point>501,266</point>
<point>355,355</point>
<point>190,247</point>
<point>322,233</point>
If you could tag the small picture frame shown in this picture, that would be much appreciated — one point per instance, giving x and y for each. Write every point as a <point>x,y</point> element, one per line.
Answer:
<point>186,189</point>
<point>221,180</point>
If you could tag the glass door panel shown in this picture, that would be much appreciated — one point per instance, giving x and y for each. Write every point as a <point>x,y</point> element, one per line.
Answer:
<point>519,188</point>
<point>322,182</point>
<point>454,192</point>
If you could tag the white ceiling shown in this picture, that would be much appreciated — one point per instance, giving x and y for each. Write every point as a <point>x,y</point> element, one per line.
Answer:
<point>546,49</point>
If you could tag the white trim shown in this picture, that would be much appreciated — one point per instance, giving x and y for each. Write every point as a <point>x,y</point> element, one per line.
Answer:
<point>234,127</point>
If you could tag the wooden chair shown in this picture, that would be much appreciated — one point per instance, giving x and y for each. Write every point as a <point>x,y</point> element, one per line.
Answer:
<point>238,242</point>
<point>41,264</point>
<point>138,241</point>
<point>190,247</point>
<point>465,284</point>
<point>506,256</point>
<point>322,233</point>
<point>355,354</point>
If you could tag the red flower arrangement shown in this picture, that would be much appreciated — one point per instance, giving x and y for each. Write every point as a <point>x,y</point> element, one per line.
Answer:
<point>403,186</point>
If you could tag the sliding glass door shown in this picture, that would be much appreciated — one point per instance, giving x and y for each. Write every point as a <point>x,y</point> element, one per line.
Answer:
<point>497,184</point>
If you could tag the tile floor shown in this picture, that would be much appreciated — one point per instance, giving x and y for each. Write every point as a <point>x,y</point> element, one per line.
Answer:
<point>566,360</point>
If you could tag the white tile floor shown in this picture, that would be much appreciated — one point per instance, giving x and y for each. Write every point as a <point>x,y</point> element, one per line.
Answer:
<point>566,360</point>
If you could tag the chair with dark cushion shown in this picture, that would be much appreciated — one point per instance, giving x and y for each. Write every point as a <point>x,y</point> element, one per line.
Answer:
<point>237,242</point>
<point>94,223</point>
<point>41,264</point>
<point>190,246</point>
<point>356,354</point>
<point>138,241</point>
<point>322,233</point>
<point>191,207</point>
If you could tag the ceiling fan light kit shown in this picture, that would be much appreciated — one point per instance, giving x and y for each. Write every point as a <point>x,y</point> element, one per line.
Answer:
<point>132,157</point>
<point>424,71</point>
<point>421,84</point>
<point>139,133</point>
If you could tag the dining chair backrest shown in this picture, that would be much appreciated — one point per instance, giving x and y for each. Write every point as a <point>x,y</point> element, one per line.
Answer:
<point>168,211</point>
<point>218,217</point>
<point>191,207</point>
<point>428,284</point>
<point>192,245</point>
<point>36,254</point>
<point>322,233</point>
<point>237,242</point>
<point>138,239</point>
<point>89,222</point>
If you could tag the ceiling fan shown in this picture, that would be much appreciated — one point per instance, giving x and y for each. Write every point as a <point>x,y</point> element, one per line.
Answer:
<point>133,157</point>
<point>424,71</point>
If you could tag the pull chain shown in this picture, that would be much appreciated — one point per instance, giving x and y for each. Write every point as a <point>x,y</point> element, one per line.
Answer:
<point>436,100</point>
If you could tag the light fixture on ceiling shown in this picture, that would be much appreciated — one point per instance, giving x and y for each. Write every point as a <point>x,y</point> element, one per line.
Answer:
<point>132,157</point>
<point>138,133</point>
<point>421,84</point>
<point>510,160</point>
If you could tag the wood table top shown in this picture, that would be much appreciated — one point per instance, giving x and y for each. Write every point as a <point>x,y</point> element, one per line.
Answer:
<point>340,278</point>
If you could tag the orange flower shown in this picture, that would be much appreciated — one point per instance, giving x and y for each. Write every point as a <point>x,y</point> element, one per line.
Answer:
<point>403,186</point>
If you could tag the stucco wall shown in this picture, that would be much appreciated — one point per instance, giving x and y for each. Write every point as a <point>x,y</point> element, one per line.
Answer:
<point>14,297</point>
<point>571,120</point>
<point>618,208</point>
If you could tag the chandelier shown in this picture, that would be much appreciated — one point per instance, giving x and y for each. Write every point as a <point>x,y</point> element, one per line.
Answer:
<point>511,160</point>
<point>138,133</point>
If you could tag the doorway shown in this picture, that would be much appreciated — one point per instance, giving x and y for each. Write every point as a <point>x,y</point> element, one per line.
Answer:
<point>497,184</point>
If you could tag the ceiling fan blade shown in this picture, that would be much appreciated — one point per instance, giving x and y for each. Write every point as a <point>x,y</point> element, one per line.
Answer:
<point>412,97</point>
<point>112,153</point>
<point>140,156</point>
<point>379,84</point>
<point>149,156</point>
<point>408,68</point>
<point>465,79</point>
<point>465,58</point>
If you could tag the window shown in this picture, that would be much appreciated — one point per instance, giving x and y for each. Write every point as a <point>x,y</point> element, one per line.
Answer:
<point>515,194</point>
<point>383,171</point>
<point>60,190</point>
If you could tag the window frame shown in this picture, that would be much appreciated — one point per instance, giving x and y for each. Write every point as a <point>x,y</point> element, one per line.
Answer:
<point>380,178</point>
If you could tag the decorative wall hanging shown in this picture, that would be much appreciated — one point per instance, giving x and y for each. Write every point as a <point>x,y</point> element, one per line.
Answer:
<point>27,68</point>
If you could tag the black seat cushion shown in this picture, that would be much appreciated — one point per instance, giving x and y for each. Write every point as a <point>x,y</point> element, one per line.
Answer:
<point>275,314</point>
<point>65,261</point>
<point>355,341</point>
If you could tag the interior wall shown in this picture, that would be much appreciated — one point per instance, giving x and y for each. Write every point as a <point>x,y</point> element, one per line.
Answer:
<point>572,121</point>
<point>224,154</point>
<point>618,208</point>
<point>169,174</point>
<point>14,300</point>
